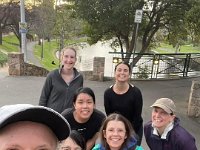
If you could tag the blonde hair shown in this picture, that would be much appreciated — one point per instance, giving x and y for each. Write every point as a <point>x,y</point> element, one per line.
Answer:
<point>67,48</point>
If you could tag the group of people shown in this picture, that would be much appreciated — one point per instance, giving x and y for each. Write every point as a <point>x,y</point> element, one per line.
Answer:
<point>68,114</point>
<point>63,91</point>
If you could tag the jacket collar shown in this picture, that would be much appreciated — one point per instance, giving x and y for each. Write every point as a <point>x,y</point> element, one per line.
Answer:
<point>166,131</point>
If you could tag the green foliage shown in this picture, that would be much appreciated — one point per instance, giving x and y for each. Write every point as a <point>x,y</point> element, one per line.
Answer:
<point>3,58</point>
<point>166,48</point>
<point>43,19</point>
<point>143,72</point>
<point>193,23</point>
<point>67,25</point>
<point>50,49</point>
<point>10,44</point>
<point>114,19</point>
<point>106,19</point>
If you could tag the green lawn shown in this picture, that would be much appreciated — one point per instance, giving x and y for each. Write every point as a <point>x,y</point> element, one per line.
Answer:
<point>166,48</point>
<point>49,49</point>
<point>10,44</point>
<point>3,58</point>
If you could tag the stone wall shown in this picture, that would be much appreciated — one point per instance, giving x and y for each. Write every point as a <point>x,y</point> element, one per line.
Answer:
<point>32,70</point>
<point>87,75</point>
<point>17,66</point>
<point>98,68</point>
<point>194,100</point>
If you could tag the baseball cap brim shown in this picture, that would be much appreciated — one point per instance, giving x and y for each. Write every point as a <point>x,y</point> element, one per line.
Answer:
<point>166,109</point>
<point>25,112</point>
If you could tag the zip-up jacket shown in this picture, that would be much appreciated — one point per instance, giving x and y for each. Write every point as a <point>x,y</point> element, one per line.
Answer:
<point>177,138</point>
<point>56,93</point>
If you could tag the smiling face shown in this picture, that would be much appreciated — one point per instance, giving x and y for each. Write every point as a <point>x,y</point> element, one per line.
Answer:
<point>122,73</point>
<point>115,134</point>
<point>68,58</point>
<point>26,135</point>
<point>69,144</point>
<point>84,106</point>
<point>160,118</point>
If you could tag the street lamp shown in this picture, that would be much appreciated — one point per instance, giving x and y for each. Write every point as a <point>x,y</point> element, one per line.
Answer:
<point>116,60</point>
<point>23,29</point>
<point>42,52</point>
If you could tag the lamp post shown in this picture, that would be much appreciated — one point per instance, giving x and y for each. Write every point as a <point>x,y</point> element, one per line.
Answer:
<point>42,51</point>
<point>23,30</point>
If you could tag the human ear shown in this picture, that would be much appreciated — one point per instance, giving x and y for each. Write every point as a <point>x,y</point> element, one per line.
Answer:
<point>125,136</point>
<point>172,117</point>
<point>74,105</point>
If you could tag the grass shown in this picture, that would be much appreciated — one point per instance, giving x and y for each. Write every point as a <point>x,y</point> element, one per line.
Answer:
<point>49,51</point>
<point>166,48</point>
<point>10,43</point>
<point>3,58</point>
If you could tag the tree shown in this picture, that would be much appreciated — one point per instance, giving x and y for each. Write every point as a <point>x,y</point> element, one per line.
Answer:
<point>3,19</point>
<point>43,19</point>
<point>115,18</point>
<point>67,23</point>
<point>5,10</point>
<point>10,18</point>
<point>193,22</point>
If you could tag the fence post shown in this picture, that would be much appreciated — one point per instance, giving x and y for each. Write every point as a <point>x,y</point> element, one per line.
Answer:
<point>186,65</point>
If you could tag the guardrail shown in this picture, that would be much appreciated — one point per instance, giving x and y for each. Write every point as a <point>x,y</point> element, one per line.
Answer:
<point>153,66</point>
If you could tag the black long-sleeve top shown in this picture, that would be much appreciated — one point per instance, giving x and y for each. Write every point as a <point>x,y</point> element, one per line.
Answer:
<point>128,104</point>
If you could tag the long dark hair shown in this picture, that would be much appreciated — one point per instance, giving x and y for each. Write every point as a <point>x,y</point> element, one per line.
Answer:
<point>125,63</point>
<point>85,90</point>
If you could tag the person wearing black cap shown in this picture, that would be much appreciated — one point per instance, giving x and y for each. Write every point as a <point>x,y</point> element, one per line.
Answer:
<point>164,132</point>
<point>28,127</point>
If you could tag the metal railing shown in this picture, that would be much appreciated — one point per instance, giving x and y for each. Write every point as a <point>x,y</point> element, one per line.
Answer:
<point>153,66</point>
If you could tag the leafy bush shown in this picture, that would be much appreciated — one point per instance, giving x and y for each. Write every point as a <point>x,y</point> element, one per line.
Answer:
<point>3,58</point>
<point>143,72</point>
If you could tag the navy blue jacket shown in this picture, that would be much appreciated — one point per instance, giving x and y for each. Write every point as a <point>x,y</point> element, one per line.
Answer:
<point>177,139</point>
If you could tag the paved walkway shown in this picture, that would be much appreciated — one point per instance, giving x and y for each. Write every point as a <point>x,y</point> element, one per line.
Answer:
<point>27,90</point>
<point>30,54</point>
